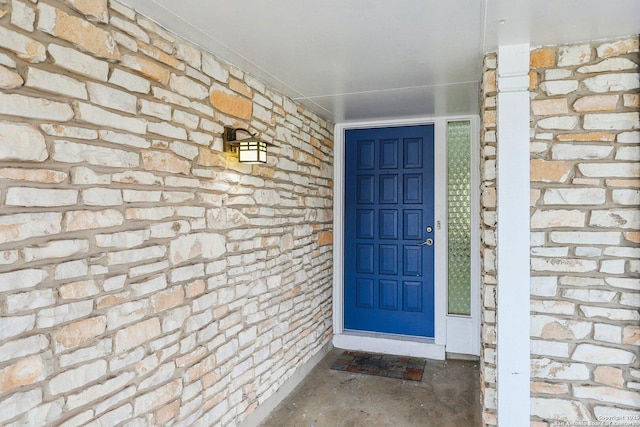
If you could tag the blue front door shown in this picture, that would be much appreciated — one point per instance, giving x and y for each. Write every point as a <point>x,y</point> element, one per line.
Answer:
<point>389,233</point>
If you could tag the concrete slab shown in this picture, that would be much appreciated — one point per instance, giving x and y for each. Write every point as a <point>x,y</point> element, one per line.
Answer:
<point>447,396</point>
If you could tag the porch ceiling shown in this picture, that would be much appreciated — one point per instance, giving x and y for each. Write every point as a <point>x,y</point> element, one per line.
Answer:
<point>359,60</point>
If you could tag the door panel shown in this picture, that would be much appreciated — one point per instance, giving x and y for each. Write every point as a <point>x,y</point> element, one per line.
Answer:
<point>388,205</point>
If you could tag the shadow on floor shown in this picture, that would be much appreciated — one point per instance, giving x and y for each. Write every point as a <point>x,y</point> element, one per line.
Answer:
<point>447,396</point>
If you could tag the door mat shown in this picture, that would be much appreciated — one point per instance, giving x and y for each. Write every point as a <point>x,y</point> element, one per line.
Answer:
<point>381,365</point>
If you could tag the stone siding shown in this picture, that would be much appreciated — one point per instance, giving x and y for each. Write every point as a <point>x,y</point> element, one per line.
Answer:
<point>585,223</point>
<point>147,278</point>
<point>488,142</point>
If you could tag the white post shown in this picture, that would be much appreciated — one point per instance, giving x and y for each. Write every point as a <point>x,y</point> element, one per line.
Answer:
<point>513,231</point>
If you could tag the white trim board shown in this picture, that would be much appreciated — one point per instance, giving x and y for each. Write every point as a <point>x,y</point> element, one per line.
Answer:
<point>382,342</point>
<point>513,248</point>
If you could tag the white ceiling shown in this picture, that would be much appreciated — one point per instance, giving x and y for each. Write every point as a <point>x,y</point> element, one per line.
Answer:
<point>352,60</point>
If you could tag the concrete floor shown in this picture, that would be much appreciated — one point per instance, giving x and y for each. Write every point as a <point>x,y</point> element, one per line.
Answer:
<point>447,396</point>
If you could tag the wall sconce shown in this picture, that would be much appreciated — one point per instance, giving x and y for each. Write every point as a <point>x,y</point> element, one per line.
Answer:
<point>250,150</point>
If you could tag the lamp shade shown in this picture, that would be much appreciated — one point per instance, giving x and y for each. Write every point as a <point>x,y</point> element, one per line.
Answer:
<point>250,150</point>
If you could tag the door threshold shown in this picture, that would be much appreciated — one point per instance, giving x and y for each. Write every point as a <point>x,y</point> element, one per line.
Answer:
<point>399,345</point>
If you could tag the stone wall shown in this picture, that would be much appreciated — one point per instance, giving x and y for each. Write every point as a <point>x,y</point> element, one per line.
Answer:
<point>488,141</point>
<point>145,276</point>
<point>585,221</point>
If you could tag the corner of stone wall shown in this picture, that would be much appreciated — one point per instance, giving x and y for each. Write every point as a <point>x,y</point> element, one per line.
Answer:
<point>488,143</point>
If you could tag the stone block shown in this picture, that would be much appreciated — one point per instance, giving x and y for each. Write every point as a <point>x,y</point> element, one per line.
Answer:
<point>610,313</point>
<point>574,196</point>
<point>155,109</point>
<point>559,409</point>
<point>617,48</point>
<point>102,197</point>
<point>608,394</point>
<point>168,130</point>
<point>129,28</point>
<point>555,328</point>
<point>98,116</point>
<point>165,162</point>
<point>40,197</point>
<point>147,69</point>
<point>626,197</point>
<point>610,170</point>
<point>631,100</point>
<point>559,87</point>
<point>187,87</point>
<point>78,290</point>
<point>631,335</point>
<point>607,333</point>
<point>78,377</point>
<point>596,103</point>
<point>29,300</point>
<point>55,83</point>
<point>212,67</point>
<point>613,121</point>
<point>549,107</point>
<point>16,325</point>
<point>629,137</point>
<point>186,119</point>
<point>547,369</point>
<point>158,397</point>
<point>549,348</point>
<point>86,36</point>
<point>112,98</point>
<point>21,142</point>
<point>94,10</point>
<point>129,81</point>
<point>78,63</point>
<point>580,152</point>
<point>628,153</point>
<point>542,58</point>
<point>103,391</point>
<point>230,103</point>
<point>24,47</point>
<point>161,56</point>
<point>34,108</point>
<point>589,295</point>
<point>88,220</point>
<point>22,15</point>
<point>616,218</point>
<point>78,333</point>
<point>574,55</point>
<point>45,176</point>
<point>137,334</point>
<point>553,307</point>
<point>18,227</point>
<point>559,122</point>
<point>611,64</point>
<point>613,82</point>
<point>55,249</point>
<point>136,255</point>
<point>628,299</point>
<point>608,375</point>
<point>23,372</point>
<point>206,245</point>
<point>557,218</point>
<point>9,79</point>
<point>586,237</point>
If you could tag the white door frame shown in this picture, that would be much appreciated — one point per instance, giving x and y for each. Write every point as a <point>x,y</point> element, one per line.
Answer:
<point>446,328</point>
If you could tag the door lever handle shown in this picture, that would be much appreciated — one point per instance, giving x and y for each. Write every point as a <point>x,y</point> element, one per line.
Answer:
<point>427,242</point>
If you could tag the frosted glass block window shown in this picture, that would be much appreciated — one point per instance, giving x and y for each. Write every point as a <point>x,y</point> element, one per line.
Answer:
<point>459,207</point>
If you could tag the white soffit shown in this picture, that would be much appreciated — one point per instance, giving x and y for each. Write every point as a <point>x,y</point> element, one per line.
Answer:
<point>355,60</point>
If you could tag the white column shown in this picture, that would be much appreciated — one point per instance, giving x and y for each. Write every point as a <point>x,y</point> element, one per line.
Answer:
<point>513,230</point>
